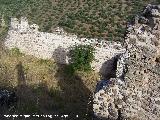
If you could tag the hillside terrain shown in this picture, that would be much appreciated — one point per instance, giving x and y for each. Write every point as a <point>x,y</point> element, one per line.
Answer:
<point>86,18</point>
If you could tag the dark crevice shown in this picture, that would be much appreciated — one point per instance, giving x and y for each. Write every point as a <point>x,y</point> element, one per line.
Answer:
<point>108,69</point>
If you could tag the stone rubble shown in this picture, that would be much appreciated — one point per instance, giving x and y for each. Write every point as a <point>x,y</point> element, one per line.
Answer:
<point>55,45</point>
<point>138,95</point>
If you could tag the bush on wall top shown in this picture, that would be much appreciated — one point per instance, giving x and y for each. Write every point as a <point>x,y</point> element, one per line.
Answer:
<point>81,57</point>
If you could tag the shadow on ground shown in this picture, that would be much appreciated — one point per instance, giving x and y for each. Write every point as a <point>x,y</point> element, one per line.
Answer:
<point>60,55</point>
<point>76,95</point>
<point>73,91</point>
<point>71,98</point>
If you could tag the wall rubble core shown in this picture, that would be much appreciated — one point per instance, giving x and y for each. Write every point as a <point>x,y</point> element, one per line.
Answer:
<point>55,45</point>
<point>138,96</point>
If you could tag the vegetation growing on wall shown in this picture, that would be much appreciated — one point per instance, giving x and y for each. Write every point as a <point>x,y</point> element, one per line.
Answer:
<point>81,57</point>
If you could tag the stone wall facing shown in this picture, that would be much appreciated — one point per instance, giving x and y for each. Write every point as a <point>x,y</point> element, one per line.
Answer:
<point>55,45</point>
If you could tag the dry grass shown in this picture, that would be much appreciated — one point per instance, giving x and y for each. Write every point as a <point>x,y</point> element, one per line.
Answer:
<point>33,67</point>
<point>43,86</point>
<point>47,88</point>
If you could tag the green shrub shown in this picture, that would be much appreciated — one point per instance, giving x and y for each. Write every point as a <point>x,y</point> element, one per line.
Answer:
<point>81,57</point>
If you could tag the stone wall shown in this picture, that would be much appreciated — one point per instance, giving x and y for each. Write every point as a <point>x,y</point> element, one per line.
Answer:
<point>55,45</point>
<point>137,96</point>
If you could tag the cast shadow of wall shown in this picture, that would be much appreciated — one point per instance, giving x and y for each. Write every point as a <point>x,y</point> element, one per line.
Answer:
<point>60,55</point>
<point>28,94</point>
<point>108,68</point>
<point>73,98</point>
<point>32,99</point>
<point>74,92</point>
<point>20,74</point>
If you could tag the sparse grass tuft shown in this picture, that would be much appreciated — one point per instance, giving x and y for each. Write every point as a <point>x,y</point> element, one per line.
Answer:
<point>46,62</point>
<point>16,52</point>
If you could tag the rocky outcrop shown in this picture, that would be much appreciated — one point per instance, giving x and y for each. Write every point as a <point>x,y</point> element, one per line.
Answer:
<point>137,96</point>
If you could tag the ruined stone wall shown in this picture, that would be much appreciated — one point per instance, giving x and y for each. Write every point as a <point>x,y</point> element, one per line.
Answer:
<point>55,45</point>
<point>137,96</point>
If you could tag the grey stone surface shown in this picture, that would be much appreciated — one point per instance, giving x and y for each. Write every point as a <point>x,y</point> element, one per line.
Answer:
<point>139,94</point>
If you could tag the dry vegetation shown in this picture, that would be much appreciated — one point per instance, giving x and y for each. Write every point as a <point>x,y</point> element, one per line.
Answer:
<point>86,18</point>
<point>44,87</point>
